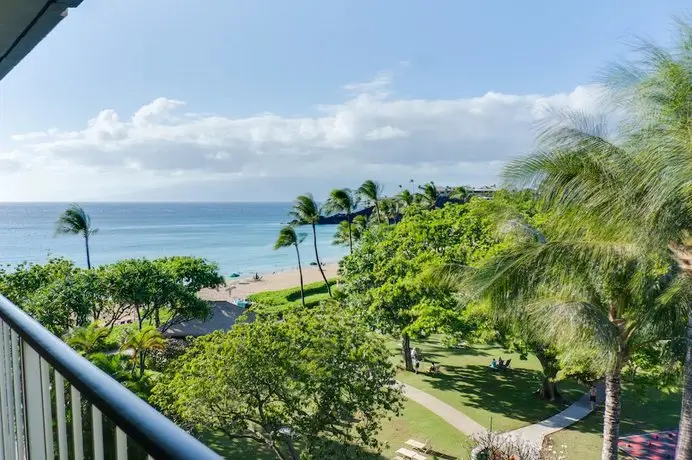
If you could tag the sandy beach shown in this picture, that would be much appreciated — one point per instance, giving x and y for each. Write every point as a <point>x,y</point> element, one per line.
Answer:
<point>243,287</point>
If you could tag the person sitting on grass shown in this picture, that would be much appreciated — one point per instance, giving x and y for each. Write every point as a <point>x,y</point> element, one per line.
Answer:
<point>500,363</point>
<point>493,363</point>
<point>434,368</point>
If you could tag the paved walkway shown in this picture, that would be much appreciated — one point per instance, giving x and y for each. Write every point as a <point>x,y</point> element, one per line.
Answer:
<point>532,433</point>
<point>452,416</point>
<point>577,411</point>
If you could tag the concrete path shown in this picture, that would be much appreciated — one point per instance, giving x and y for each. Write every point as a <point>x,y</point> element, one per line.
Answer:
<point>452,416</point>
<point>533,434</point>
<point>577,411</point>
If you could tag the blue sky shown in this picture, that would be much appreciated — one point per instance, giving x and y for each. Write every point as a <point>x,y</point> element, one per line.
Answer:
<point>257,93</point>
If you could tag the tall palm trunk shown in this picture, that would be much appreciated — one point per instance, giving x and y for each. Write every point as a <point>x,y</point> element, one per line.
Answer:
<point>317,258</point>
<point>406,350</point>
<point>684,448</point>
<point>300,271</point>
<point>377,210</point>
<point>350,237</point>
<point>611,416</point>
<point>86,243</point>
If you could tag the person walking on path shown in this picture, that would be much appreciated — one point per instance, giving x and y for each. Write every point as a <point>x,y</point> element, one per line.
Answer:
<point>592,396</point>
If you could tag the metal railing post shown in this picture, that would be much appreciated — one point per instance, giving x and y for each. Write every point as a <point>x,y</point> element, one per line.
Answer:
<point>33,404</point>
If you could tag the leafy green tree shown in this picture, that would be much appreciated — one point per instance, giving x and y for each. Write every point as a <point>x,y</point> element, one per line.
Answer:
<point>371,192</point>
<point>147,288</point>
<point>385,275</point>
<point>67,302</point>
<point>289,237</point>
<point>75,221</point>
<point>318,376</point>
<point>88,340</point>
<point>58,294</point>
<point>306,212</point>
<point>343,200</point>
<point>194,273</point>
<point>18,283</point>
<point>139,342</point>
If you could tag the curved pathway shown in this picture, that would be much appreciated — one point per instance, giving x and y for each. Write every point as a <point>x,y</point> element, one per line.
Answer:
<point>450,415</point>
<point>577,411</point>
<point>531,433</point>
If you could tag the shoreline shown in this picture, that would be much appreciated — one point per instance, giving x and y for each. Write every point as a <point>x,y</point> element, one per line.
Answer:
<point>280,279</point>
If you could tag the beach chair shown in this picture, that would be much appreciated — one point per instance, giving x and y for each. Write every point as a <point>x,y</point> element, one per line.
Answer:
<point>411,455</point>
<point>424,447</point>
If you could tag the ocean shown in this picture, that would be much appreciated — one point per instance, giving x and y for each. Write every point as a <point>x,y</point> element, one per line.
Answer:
<point>238,236</point>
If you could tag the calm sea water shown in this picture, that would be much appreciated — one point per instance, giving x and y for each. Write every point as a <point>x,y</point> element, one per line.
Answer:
<point>238,236</point>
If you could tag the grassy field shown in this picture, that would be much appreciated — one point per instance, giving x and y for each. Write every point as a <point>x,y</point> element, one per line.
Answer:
<point>644,410</point>
<point>504,400</point>
<point>414,422</point>
<point>288,298</point>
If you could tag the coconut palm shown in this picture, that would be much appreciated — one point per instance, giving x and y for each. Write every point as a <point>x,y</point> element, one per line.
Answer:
<point>636,190</point>
<point>75,221</point>
<point>342,200</point>
<point>139,342</point>
<point>391,209</point>
<point>88,340</point>
<point>289,237</point>
<point>428,195</point>
<point>358,228</point>
<point>460,193</point>
<point>305,211</point>
<point>406,198</point>
<point>371,192</point>
<point>605,311</point>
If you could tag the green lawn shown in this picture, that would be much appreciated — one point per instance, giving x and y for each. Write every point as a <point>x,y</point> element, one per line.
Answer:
<point>503,399</point>
<point>647,410</point>
<point>414,422</point>
<point>289,298</point>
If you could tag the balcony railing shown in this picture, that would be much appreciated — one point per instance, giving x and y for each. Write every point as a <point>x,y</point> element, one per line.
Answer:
<point>39,374</point>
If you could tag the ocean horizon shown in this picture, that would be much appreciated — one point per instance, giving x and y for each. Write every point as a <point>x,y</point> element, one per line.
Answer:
<point>238,236</point>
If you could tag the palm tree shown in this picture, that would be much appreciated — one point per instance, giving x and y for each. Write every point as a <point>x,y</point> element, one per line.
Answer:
<point>306,212</point>
<point>141,341</point>
<point>358,228</point>
<point>585,309</point>
<point>342,200</point>
<point>460,193</point>
<point>406,197</point>
<point>289,237</point>
<point>371,191</point>
<point>75,221</point>
<point>635,190</point>
<point>429,195</point>
<point>87,340</point>
<point>391,209</point>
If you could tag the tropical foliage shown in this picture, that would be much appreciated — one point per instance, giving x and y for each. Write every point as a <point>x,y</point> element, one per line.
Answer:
<point>275,383</point>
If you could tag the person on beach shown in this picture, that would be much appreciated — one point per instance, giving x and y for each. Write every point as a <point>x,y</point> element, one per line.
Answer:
<point>592,396</point>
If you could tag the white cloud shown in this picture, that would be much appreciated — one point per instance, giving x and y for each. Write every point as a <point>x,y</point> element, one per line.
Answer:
<point>371,134</point>
<point>384,133</point>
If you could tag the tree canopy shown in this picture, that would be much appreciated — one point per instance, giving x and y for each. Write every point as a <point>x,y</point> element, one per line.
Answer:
<point>318,376</point>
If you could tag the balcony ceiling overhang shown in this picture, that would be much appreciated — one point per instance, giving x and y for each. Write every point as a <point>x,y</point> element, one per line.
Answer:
<point>24,23</point>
